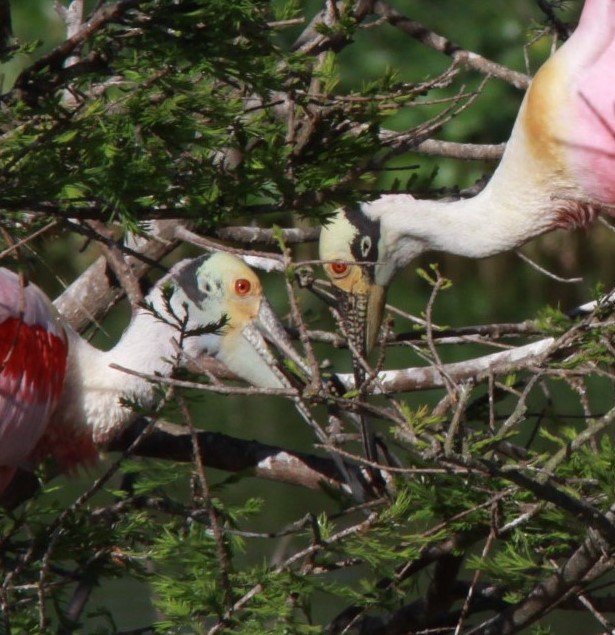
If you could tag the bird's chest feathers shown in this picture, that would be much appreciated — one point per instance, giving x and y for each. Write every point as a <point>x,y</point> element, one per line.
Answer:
<point>591,146</point>
<point>95,393</point>
<point>567,119</point>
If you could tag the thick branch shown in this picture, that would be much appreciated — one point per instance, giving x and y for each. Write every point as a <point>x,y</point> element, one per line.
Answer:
<point>553,590</point>
<point>479,369</point>
<point>466,151</point>
<point>399,621</point>
<point>173,442</point>
<point>253,235</point>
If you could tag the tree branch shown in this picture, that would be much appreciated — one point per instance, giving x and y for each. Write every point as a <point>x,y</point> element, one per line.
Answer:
<point>95,290</point>
<point>569,578</point>
<point>477,370</point>
<point>26,85</point>
<point>174,443</point>
<point>439,43</point>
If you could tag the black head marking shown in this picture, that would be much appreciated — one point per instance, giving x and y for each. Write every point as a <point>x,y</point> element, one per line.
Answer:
<point>364,245</point>
<point>187,279</point>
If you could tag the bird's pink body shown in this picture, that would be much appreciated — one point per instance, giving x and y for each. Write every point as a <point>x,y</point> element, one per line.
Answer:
<point>33,353</point>
<point>59,396</point>
<point>569,112</point>
<point>592,151</point>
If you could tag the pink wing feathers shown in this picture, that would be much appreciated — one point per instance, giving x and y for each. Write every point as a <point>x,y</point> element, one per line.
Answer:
<point>588,124</point>
<point>592,153</point>
<point>569,114</point>
<point>33,352</point>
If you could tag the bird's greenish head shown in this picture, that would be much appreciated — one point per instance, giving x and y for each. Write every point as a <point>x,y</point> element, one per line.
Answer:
<point>351,246</point>
<point>219,285</point>
<point>221,289</point>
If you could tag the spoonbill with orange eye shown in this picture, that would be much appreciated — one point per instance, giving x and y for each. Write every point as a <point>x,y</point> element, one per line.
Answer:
<point>59,395</point>
<point>558,170</point>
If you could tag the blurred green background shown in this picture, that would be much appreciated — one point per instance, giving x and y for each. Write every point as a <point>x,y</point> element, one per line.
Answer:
<point>502,288</point>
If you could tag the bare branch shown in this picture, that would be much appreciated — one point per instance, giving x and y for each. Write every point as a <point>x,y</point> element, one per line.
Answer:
<point>443,45</point>
<point>252,235</point>
<point>95,290</point>
<point>547,273</point>
<point>174,443</point>
<point>477,370</point>
<point>466,151</point>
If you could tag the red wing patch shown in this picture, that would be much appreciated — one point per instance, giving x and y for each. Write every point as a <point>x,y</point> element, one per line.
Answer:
<point>34,355</point>
<point>32,370</point>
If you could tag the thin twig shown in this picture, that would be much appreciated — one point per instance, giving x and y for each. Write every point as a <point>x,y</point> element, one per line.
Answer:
<point>214,516</point>
<point>546,272</point>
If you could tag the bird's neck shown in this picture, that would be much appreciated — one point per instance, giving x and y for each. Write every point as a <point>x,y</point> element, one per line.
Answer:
<point>525,197</point>
<point>478,227</point>
<point>536,187</point>
<point>94,391</point>
<point>148,346</point>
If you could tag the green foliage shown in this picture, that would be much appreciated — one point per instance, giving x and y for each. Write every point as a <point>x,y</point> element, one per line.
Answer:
<point>552,321</point>
<point>188,592</point>
<point>416,421</point>
<point>165,104</point>
<point>202,109</point>
<point>434,278</point>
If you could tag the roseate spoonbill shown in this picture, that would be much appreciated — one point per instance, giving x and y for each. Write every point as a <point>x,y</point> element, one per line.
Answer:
<point>557,170</point>
<point>33,349</point>
<point>60,397</point>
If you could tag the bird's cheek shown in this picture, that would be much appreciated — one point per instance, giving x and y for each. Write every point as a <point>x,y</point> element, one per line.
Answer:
<point>355,283</point>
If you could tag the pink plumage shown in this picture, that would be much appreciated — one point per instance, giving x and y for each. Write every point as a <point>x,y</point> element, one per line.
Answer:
<point>592,151</point>
<point>62,397</point>
<point>569,113</point>
<point>33,353</point>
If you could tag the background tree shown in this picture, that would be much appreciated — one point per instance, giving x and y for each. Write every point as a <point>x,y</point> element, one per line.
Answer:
<point>130,130</point>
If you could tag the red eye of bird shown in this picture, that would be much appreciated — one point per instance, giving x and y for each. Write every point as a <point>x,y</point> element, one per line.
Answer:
<point>338,268</point>
<point>242,286</point>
